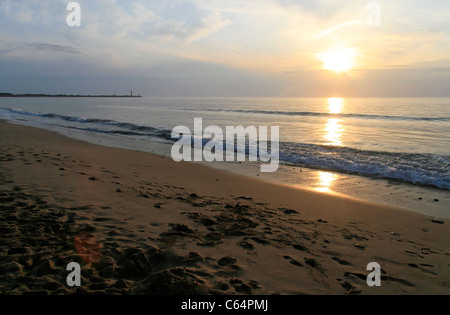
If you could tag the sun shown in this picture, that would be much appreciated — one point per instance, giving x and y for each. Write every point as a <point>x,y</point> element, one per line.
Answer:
<point>338,60</point>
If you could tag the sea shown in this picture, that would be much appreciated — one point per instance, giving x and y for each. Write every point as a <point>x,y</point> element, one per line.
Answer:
<point>394,151</point>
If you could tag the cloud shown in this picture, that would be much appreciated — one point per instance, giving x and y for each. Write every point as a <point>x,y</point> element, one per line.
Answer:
<point>55,47</point>
<point>208,25</point>
<point>166,21</point>
<point>17,10</point>
<point>336,28</point>
<point>276,39</point>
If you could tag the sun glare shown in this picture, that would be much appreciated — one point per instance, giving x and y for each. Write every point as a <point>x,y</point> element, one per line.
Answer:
<point>335,105</point>
<point>325,181</point>
<point>338,60</point>
<point>333,127</point>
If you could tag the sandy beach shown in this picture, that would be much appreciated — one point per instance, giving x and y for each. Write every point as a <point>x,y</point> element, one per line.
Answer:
<point>139,223</point>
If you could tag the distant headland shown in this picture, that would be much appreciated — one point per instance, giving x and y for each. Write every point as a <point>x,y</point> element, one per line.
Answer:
<point>65,95</point>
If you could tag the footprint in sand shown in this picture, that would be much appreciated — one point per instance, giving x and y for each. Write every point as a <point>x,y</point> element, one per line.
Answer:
<point>414,266</point>
<point>350,288</point>
<point>341,262</point>
<point>301,248</point>
<point>293,261</point>
<point>360,246</point>
<point>225,261</point>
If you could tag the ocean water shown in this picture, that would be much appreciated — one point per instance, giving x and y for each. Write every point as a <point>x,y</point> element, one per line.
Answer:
<point>401,141</point>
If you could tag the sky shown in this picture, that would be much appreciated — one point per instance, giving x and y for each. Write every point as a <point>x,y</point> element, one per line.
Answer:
<point>227,48</point>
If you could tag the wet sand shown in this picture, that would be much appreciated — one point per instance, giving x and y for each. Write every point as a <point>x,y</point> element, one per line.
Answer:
<point>139,223</point>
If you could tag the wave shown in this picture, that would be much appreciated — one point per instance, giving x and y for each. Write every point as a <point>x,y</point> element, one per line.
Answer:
<point>421,169</point>
<point>414,168</point>
<point>139,129</point>
<point>318,114</point>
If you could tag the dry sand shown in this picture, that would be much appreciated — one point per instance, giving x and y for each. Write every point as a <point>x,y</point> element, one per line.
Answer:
<point>140,223</point>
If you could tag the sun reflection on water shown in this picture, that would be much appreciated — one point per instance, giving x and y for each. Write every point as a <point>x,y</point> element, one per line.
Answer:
<point>335,105</point>
<point>333,135</point>
<point>326,179</point>
<point>333,130</point>
<point>333,127</point>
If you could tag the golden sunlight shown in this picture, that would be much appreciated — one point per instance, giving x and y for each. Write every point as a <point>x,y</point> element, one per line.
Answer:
<point>333,127</point>
<point>326,179</point>
<point>335,105</point>
<point>338,60</point>
<point>333,131</point>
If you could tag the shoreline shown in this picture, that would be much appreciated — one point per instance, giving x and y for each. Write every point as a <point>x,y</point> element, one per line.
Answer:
<point>415,198</point>
<point>145,221</point>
